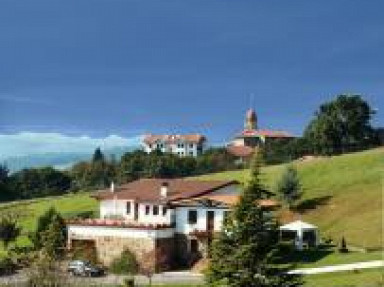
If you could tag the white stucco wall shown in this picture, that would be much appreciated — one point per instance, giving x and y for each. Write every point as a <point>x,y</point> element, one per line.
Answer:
<point>178,215</point>
<point>84,232</point>
<point>154,219</point>
<point>180,148</point>
<point>110,208</point>
<point>182,225</point>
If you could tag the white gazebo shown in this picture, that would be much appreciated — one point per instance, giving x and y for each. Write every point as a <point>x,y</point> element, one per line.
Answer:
<point>304,234</point>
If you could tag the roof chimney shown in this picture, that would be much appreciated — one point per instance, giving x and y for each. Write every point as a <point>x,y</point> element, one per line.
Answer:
<point>112,187</point>
<point>164,189</point>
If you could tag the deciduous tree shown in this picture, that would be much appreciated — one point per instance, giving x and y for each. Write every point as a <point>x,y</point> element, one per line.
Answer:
<point>341,125</point>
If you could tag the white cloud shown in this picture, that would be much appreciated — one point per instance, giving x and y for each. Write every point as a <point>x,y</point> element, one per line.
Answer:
<point>26,143</point>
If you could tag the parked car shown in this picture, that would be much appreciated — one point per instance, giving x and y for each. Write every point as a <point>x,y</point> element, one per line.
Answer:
<point>84,268</point>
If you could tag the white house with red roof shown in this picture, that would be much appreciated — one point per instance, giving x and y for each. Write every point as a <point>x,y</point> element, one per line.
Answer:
<point>164,222</point>
<point>182,145</point>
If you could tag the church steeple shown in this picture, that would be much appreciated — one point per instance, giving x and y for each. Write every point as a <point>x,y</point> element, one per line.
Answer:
<point>250,120</point>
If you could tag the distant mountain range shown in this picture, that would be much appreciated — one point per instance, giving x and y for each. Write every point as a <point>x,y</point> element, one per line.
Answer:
<point>59,160</point>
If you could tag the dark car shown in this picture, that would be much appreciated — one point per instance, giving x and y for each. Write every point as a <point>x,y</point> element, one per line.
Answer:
<point>84,268</point>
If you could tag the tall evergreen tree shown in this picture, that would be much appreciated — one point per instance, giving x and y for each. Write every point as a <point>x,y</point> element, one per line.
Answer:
<point>288,187</point>
<point>245,252</point>
<point>44,222</point>
<point>98,156</point>
<point>53,239</point>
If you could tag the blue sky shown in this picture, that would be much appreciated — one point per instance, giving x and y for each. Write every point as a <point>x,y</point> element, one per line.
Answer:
<point>124,67</point>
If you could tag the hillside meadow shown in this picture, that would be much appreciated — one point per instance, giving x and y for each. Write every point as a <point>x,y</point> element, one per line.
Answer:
<point>343,195</point>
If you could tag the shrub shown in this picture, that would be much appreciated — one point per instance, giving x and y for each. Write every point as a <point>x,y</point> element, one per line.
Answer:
<point>7,266</point>
<point>125,264</point>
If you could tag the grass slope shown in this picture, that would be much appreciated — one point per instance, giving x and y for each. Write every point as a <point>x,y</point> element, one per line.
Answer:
<point>364,278</point>
<point>29,210</point>
<point>342,194</point>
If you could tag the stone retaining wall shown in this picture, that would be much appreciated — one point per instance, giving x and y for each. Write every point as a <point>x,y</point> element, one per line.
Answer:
<point>151,253</point>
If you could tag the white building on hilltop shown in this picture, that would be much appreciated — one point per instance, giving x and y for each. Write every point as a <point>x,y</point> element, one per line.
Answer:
<point>164,222</point>
<point>182,145</point>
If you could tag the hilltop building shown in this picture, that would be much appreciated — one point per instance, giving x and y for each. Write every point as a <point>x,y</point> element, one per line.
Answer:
<point>166,223</point>
<point>181,145</point>
<point>242,146</point>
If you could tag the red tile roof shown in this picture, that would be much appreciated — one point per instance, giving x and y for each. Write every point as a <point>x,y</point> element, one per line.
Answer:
<point>191,138</point>
<point>266,133</point>
<point>148,190</point>
<point>230,200</point>
<point>240,151</point>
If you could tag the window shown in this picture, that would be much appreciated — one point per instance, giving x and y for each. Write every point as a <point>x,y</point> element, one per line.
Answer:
<point>192,216</point>
<point>191,153</point>
<point>147,209</point>
<point>194,246</point>
<point>128,207</point>
<point>165,210</point>
<point>155,210</point>
<point>191,145</point>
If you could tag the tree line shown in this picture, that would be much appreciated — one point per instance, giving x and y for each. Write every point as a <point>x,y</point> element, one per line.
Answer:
<point>99,172</point>
<point>339,126</point>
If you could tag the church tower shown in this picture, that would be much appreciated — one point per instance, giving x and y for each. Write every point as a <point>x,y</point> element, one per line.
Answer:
<point>250,120</point>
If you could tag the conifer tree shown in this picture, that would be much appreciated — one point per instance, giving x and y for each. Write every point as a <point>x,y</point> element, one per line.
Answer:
<point>98,156</point>
<point>44,223</point>
<point>245,252</point>
<point>289,187</point>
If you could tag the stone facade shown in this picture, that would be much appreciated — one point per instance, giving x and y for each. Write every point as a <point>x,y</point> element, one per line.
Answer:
<point>151,254</point>
<point>185,256</point>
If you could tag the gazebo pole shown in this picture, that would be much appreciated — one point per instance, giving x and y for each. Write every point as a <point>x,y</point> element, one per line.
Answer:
<point>300,235</point>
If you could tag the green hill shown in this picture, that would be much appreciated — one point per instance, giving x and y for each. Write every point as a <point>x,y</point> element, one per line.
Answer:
<point>343,195</point>
<point>29,210</point>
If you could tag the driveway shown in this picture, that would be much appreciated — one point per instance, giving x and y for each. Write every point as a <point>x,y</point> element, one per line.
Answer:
<point>186,277</point>
<point>182,277</point>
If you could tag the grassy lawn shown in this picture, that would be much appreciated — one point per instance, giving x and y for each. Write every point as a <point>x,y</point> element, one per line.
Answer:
<point>366,278</point>
<point>29,210</point>
<point>342,194</point>
<point>324,257</point>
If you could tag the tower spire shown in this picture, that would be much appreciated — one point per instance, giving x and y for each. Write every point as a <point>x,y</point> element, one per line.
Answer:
<point>250,117</point>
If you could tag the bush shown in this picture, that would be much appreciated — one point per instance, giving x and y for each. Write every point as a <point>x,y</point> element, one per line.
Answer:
<point>23,256</point>
<point>7,266</point>
<point>125,264</point>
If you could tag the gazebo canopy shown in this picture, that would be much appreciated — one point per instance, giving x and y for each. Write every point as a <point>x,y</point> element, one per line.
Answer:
<point>298,225</point>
